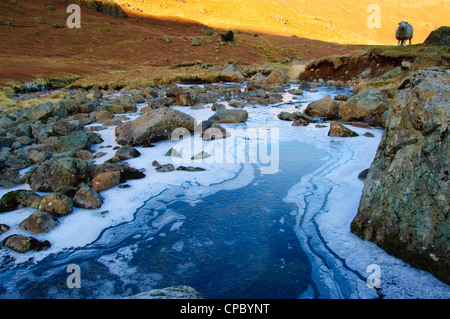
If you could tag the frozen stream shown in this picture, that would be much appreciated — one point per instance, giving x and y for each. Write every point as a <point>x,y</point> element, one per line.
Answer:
<point>274,227</point>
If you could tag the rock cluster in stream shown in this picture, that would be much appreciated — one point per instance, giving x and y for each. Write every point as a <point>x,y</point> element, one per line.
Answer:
<point>53,143</point>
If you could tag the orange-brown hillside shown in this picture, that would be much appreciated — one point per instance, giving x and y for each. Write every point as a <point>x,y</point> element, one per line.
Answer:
<point>107,49</point>
<point>339,21</point>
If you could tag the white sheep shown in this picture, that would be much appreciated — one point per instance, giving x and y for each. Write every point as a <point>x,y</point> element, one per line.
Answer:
<point>404,32</point>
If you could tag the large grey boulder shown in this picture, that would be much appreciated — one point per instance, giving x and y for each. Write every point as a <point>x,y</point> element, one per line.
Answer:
<point>369,102</point>
<point>229,116</point>
<point>325,107</point>
<point>404,206</point>
<point>153,126</point>
<point>39,112</point>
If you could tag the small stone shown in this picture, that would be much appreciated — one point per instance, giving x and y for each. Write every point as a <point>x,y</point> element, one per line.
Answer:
<point>87,198</point>
<point>106,181</point>
<point>201,155</point>
<point>165,168</point>
<point>127,152</point>
<point>56,204</point>
<point>173,153</point>
<point>39,222</point>
<point>337,129</point>
<point>22,244</point>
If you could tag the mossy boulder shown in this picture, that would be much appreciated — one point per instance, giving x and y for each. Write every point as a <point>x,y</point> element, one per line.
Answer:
<point>59,172</point>
<point>17,199</point>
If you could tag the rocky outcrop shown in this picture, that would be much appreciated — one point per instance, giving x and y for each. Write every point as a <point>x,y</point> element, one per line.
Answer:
<point>153,126</point>
<point>439,37</point>
<point>404,206</point>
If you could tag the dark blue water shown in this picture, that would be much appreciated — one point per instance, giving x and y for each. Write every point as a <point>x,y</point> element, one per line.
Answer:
<point>232,244</point>
<point>241,243</point>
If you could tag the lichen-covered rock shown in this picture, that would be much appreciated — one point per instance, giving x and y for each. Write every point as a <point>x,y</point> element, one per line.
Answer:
<point>22,244</point>
<point>126,172</point>
<point>277,76</point>
<point>369,102</point>
<point>404,206</point>
<point>39,112</point>
<point>59,172</point>
<point>176,292</point>
<point>106,181</point>
<point>56,204</point>
<point>182,96</point>
<point>229,116</point>
<point>39,222</point>
<point>87,198</point>
<point>153,126</point>
<point>17,199</point>
<point>125,101</point>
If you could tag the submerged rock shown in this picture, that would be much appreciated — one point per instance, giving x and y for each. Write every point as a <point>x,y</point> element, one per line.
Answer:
<point>404,205</point>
